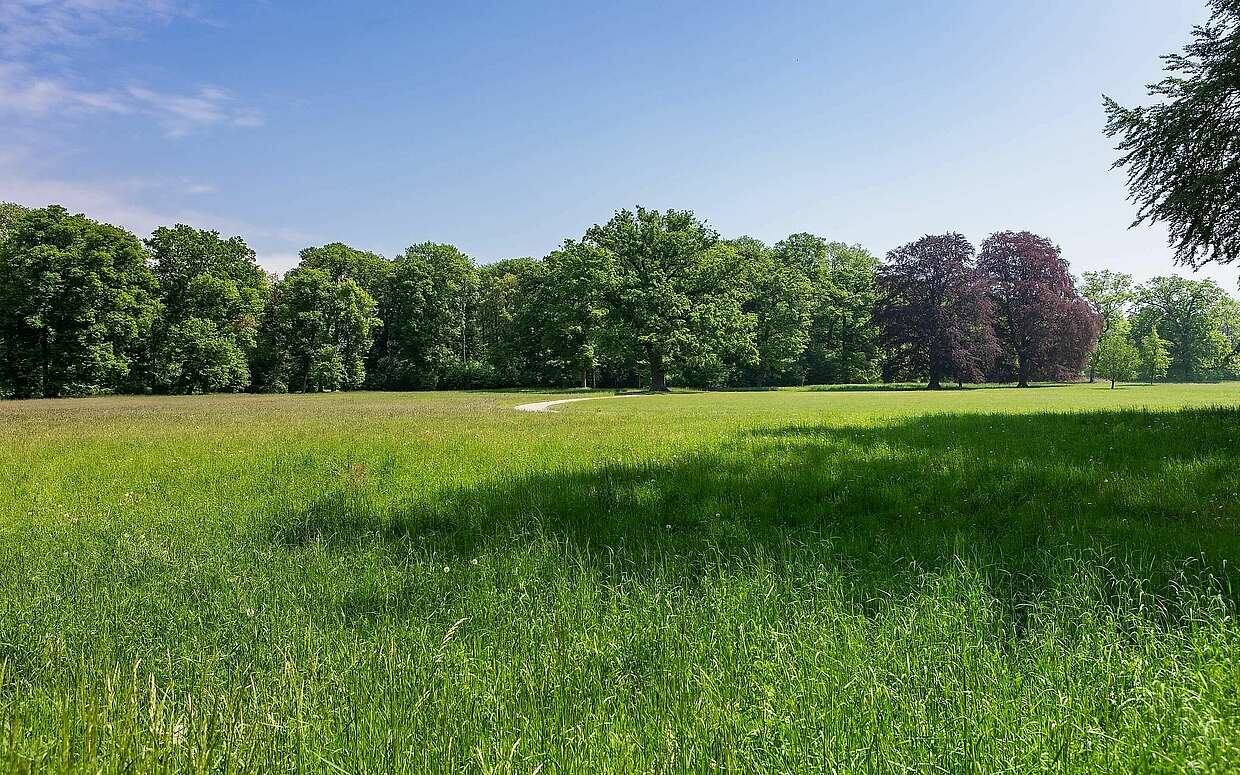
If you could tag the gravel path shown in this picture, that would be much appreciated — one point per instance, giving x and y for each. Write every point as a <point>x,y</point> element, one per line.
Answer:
<point>545,406</point>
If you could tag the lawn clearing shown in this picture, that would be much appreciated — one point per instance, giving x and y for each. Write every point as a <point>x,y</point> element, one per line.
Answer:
<point>840,579</point>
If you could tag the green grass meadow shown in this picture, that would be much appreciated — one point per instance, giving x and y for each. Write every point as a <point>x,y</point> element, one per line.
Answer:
<point>843,580</point>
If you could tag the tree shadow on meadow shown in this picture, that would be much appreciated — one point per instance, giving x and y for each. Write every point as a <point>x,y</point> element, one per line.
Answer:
<point>920,387</point>
<point>1143,494</point>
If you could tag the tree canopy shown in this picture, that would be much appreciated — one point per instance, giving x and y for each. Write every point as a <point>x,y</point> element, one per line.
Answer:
<point>77,302</point>
<point>1182,153</point>
<point>671,286</point>
<point>1187,314</point>
<point>934,312</point>
<point>1046,328</point>
<point>317,333</point>
<point>654,298</point>
<point>1117,358</point>
<point>213,295</point>
<point>430,330</point>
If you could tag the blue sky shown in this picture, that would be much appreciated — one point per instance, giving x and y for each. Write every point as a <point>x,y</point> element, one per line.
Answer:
<point>506,127</point>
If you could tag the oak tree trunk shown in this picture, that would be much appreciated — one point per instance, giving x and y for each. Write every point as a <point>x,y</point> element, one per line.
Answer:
<point>658,378</point>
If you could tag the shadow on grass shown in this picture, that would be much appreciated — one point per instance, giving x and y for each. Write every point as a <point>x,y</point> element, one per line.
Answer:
<point>1141,492</point>
<point>888,387</point>
<point>901,387</point>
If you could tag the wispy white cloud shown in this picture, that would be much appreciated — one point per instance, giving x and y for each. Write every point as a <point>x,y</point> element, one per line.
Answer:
<point>31,28</point>
<point>25,93</point>
<point>41,89</point>
<point>31,25</point>
<point>180,114</point>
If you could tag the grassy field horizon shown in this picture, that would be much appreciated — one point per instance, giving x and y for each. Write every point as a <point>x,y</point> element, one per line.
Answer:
<point>838,579</point>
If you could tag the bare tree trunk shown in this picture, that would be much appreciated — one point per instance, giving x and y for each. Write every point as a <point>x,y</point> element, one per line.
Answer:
<point>658,379</point>
<point>44,388</point>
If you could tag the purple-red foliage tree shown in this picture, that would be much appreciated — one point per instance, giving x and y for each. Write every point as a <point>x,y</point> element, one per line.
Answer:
<point>933,311</point>
<point>1047,329</point>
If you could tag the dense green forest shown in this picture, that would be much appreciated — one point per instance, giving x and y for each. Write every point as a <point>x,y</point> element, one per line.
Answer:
<point>647,298</point>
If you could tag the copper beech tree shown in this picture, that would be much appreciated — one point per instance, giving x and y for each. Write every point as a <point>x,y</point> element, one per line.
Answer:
<point>934,313</point>
<point>1047,330</point>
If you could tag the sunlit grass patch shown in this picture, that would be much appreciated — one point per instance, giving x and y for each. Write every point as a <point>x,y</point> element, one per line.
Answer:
<point>977,580</point>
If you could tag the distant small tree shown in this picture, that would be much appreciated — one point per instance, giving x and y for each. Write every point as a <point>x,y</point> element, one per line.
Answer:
<point>429,316</point>
<point>1110,294</point>
<point>369,270</point>
<point>1154,356</point>
<point>1116,358</point>
<point>512,309</point>
<point>842,337</point>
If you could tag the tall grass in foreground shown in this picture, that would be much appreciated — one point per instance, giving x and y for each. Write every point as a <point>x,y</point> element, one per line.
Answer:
<point>782,582</point>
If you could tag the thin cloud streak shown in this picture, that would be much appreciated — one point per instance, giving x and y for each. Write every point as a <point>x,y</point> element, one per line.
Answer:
<point>24,93</point>
<point>31,28</point>
<point>27,26</point>
<point>27,95</point>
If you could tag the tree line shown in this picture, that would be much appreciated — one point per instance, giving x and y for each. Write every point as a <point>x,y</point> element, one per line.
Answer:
<point>1167,328</point>
<point>647,298</point>
<point>1182,158</point>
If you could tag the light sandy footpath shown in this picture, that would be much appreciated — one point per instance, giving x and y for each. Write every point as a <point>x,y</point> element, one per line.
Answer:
<point>545,406</point>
